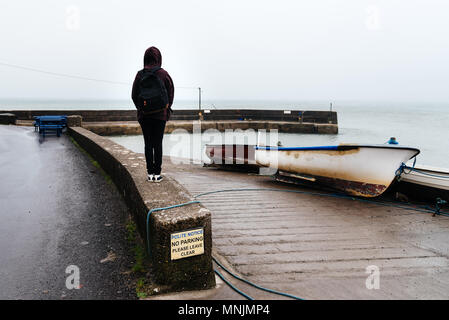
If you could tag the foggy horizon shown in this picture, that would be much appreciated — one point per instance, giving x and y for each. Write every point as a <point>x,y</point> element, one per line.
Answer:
<point>257,50</point>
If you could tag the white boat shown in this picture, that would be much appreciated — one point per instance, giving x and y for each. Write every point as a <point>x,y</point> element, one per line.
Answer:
<point>359,170</point>
<point>428,176</point>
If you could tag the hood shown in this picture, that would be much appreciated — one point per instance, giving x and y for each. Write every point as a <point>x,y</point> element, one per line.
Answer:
<point>152,58</point>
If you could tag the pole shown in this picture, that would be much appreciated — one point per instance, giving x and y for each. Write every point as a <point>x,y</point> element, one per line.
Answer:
<point>200,116</point>
<point>199,98</point>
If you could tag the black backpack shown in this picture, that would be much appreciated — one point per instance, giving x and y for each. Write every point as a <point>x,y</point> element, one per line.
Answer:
<point>152,91</point>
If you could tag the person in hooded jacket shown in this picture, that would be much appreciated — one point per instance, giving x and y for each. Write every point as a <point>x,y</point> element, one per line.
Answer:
<point>153,124</point>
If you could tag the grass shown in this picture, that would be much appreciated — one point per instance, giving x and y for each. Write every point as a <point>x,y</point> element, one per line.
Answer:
<point>140,255</point>
<point>143,289</point>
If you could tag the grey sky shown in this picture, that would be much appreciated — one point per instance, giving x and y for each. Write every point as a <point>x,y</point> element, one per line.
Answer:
<point>284,50</point>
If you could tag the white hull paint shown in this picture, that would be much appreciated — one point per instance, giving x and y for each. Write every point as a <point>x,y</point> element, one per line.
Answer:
<point>362,170</point>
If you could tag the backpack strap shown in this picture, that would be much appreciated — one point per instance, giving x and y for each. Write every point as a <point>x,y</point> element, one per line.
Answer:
<point>152,70</point>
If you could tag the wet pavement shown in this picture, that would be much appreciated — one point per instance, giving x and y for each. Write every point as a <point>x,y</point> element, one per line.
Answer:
<point>58,210</point>
<point>318,247</point>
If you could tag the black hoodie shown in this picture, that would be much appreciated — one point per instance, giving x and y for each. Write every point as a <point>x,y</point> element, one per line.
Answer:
<point>153,58</point>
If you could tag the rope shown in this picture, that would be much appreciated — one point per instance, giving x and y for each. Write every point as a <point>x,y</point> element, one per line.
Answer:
<point>401,170</point>
<point>232,286</point>
<point>161,209</point>
<point>331,195</point>
<point>411,169</point>
<point>255,285</point>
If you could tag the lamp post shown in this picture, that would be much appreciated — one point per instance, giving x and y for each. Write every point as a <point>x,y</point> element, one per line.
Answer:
<point>199,103</point>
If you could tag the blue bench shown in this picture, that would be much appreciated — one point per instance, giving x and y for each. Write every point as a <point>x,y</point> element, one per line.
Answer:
<point>50,123</point>
<point>36,122</point>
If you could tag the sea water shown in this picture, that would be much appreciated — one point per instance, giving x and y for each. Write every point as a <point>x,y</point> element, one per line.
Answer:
<point>421,125</point>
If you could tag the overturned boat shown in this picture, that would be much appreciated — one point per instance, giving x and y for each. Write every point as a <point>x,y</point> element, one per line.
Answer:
<point>359,170</point>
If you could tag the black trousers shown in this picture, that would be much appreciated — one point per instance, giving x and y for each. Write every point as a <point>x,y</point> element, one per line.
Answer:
<point>153,133</point>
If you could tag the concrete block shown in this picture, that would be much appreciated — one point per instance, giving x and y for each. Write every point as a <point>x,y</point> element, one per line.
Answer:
<point>8,118</point>
<point>74,121</point>
<point>326,128</point>
<point>193,272</point>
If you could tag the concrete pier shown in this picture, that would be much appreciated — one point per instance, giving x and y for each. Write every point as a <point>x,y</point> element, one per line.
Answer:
<point>133,127</point>
<point>313,246</point>
<point>319,247</point>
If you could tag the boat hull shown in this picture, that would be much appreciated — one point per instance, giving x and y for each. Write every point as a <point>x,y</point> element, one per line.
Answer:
<point>424,183</point>
<point>358,170</point>
<point>437,178</point>
<point>231,154</point>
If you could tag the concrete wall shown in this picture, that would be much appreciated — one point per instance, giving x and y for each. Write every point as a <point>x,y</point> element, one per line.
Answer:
<point>133,128</point>
<point>124,122</point>
<point>325,117</point>
<point>8,118</point>
<point>127,170</point>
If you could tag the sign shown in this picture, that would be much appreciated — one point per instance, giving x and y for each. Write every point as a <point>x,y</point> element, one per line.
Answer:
<point>187,243</point>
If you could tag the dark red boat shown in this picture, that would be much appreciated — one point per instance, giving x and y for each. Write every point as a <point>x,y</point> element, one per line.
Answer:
<point>235,155</point>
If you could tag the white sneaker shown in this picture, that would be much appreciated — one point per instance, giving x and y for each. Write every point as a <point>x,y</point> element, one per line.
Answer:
<point>150,177</point>
<point>158,178</point>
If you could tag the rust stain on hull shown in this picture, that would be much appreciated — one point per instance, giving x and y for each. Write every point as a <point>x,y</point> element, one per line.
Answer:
<point>332,153</point>
<point>303,164</point>
<point>354,188</point>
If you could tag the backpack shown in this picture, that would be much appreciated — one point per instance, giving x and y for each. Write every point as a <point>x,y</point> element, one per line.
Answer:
<point>152,91</point>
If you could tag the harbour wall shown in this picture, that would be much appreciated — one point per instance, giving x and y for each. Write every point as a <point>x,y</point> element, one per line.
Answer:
<point>323,117</point>
<point>123,122</point>
<point>133,127</point>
